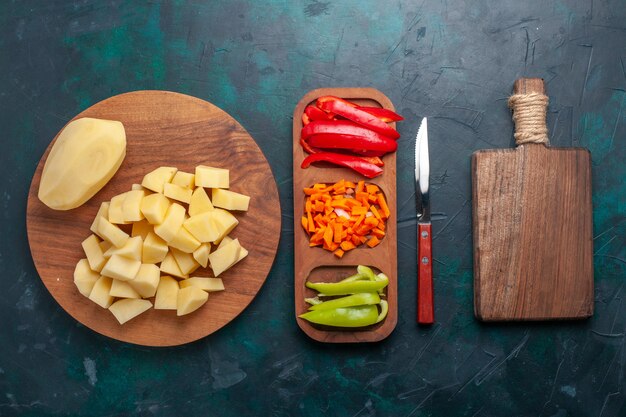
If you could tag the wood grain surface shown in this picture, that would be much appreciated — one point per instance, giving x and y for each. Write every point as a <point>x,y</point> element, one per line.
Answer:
<point>319,265</point>
<point>164,128</point>
<point>532,224</point>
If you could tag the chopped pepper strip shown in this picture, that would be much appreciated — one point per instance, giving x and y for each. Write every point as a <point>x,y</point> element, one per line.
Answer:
<point>342,218</point>
<point>344,288</point>
<point>385,115</point>
<point>359,316</point>
<point>339,127</point>
<point>350,112</point>
<point>353,162</point>
<point>315,113</point>
<point>366,298</point>
<point>353,143</point>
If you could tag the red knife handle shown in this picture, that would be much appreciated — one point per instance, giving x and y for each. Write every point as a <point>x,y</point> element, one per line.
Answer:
<point>425,307</point>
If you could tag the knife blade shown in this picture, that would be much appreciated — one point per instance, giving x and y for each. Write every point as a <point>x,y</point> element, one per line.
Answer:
<point>425,307</point>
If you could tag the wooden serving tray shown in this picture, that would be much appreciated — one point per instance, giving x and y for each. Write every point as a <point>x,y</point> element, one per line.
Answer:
<point>163,129</point>
<point>316,264</point>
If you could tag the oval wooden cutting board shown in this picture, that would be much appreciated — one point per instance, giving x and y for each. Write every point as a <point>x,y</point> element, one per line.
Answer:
<point>318,265</point>
<point>163,128</point>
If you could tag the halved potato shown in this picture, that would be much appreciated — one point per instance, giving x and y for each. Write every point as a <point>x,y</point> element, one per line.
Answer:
<point>85,156</point>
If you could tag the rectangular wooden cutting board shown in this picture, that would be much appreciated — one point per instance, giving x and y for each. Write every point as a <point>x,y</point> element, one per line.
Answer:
<point>316,264</point>
<point>532,225</point>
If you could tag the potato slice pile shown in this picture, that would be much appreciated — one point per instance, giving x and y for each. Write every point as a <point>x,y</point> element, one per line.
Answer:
<point>175,228</point>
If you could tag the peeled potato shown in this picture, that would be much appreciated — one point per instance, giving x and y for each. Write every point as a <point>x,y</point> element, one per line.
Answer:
<point>83,159</point>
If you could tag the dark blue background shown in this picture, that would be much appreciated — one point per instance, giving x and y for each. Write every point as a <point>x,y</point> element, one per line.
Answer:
<point>453,61</point>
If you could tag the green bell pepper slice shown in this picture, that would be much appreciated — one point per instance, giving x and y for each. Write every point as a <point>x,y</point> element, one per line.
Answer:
<point>345,288</point>
<point>361,299</point>
<point>360,316</point>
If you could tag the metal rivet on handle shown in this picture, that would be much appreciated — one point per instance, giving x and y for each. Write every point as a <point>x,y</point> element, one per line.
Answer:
<point>425,260</point>
<point>424,234</point>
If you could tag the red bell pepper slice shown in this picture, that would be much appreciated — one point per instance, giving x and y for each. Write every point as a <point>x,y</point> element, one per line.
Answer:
<point>315,113</point>
<point>340,127</point>
<point>355,163</point>
<point>325,99</point>
<point>385,115</point>
<point>308,148</point>
<point>341,108</point>
<point>305,119</point>
<point>357,144</point>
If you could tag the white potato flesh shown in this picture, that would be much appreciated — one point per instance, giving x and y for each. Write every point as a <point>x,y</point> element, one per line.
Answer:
<point>184,241</point>
<point>121,267</point>
<point>155,180</point>
<point>178,193</point>
<point>132,249</point>
<point>170,267</point>
<point>103,211</point>
<point>131,207</point>
<point>185,261</point>
<point>224,221</point>
<point>190,299</point>
<point>100,292</point>
<point>166,294</point>
<point>154,207</point>
<point>84,277</point>
<point>141,229</point>
<point>127,309</point>
<point>84,157</point>
<point>111,233</point>
<point>184,179</point>
<point>230,200</point>
<point>200,202</point>
<point>146,280</point>
<point>202,227</point>
<point>206,284</point>
<point>174,218</point>
<point>122,289</point>
<point>154,249</point>
<point>95,256</point>
<point>201,255</point>
<point>116,210</point>
<point>225,257</point>
<point>210,177</point>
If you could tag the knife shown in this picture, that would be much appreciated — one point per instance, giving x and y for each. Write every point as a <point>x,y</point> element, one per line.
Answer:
<point>425,308</point>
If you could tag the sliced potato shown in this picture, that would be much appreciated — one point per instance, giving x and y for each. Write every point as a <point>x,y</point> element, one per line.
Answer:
<point>127,309</point>
<point>111,233</point>
<point>154,207</point>
<point>201,255</point>
<point>166,294</point>
<point>100,292</point>
<point>200,202</point>
<point>190,299</point>
<point>122,289</point>
<point>210,177</point>
<point>94,253</point>
<point>170,267</point>
<point>184,179</point>
<point>146,280</point>
<point>206,284</point>
<point>155,180</point>
<point>84,277</point>
<point>174,218</point>
<point>230,200</point>
<point>154,249</point>
<point>186,263</point>
<point>131,207</point>
<point>176,192</point>
<point>121,267</point>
